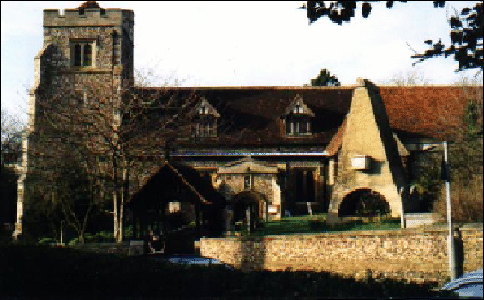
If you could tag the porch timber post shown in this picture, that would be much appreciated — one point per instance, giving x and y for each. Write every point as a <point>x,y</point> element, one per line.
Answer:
<point>197,218</point>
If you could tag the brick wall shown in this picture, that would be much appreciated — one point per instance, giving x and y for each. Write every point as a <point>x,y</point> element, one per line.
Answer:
<point>413,255</point>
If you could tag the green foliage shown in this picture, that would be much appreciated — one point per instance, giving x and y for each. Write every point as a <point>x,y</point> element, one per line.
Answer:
<point>46,241</point>
<point>466,161</point>
<point>98,237</point>
<point>317,224</point>
<point>427,183</point>
<point>466,152</point>
<point>325,79</point>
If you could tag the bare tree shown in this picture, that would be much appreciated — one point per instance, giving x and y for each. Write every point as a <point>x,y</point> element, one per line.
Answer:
<point>12,127</point>
<point>408,78</point>
<point>108,133</point>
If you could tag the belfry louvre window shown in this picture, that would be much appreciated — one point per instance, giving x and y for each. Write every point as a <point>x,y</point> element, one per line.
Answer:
<point>82,53</point>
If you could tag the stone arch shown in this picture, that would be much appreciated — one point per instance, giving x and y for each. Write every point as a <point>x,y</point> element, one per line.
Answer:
<point>363,202</point>
<point>250,207</point>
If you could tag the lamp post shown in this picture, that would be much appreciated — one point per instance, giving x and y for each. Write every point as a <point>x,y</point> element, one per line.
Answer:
<point>450,238</point>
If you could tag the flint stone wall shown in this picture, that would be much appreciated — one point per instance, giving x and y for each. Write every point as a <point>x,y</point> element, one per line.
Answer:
<point>416,255</point>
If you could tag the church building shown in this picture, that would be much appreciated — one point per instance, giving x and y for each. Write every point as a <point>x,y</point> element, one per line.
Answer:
<point>269,151</point>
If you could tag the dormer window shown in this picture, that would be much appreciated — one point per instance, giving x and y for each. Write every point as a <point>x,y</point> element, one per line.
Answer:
<point>203,110</point>
<point>205,123</point>
<point>298,118</point>
<point>82,53</point>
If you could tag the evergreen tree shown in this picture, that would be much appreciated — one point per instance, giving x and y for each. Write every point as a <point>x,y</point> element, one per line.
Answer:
<point>325,79</point>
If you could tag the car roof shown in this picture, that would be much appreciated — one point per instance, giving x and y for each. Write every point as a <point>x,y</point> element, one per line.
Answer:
<point>467,278</point>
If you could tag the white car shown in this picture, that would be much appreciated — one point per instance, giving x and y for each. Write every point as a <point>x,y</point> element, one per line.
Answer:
<point>468,285</point>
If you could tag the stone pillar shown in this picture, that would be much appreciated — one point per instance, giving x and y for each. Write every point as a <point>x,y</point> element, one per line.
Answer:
<point>323,185</point>
<point>331,170</point>
<point>316,177</point>
<point>332,213</point>
<point>229,221</point>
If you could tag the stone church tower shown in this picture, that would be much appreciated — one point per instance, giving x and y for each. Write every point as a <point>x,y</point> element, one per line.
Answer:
<point>87,58</point>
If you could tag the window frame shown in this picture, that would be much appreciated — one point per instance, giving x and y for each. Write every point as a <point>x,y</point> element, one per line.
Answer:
<point>247,182</point>
<point>298,126</point>
<point>80,56</point>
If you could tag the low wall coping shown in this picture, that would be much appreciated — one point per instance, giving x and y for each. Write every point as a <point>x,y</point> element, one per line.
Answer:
<point>426,230</point>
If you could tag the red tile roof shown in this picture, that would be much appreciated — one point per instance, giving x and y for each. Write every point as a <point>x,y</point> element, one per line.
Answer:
<point>252,116</point>
<point>430,111</point>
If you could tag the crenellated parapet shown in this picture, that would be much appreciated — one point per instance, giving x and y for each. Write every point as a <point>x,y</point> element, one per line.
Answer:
<point>87,17</point>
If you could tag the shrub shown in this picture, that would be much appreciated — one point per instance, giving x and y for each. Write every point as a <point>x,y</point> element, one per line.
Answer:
<point>47,240</point>
<point>466,200</point>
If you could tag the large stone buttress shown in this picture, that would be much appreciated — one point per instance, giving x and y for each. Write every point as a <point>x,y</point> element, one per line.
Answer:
<point>369,141</point>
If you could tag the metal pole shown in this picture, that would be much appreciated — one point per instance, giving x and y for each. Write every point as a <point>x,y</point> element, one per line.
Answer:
<point>402,216</point>
<point>450,238</point>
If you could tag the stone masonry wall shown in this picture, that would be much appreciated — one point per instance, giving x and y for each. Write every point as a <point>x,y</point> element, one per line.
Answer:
<point>413,255</point>
<point>472,249</point>
<point>262,183</point>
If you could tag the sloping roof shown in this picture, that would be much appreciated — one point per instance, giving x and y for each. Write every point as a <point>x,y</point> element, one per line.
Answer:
<point>428,111</point>
<point>253,116</point>
<point>247,165</point>
<point>161,186</point>
<point>337,140</point>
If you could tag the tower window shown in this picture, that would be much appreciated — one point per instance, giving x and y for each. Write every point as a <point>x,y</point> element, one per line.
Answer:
<point>77,55</point>
<point>82,54</point>
<point>87,55</point>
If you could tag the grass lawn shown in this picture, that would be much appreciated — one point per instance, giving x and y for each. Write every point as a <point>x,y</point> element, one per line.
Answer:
<point>39,271</point>
<point>316,224</point>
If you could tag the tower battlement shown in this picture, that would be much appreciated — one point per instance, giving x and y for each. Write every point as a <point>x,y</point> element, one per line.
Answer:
<point>87,17</point>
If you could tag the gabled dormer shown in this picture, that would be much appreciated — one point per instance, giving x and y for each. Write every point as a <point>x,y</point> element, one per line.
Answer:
<point>205,122</point>
<point>298,118</point>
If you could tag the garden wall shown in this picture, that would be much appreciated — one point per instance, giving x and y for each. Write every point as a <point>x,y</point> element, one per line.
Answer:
<point>417,255</point>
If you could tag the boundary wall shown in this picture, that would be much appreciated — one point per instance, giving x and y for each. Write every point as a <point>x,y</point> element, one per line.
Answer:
<point>414,255</point>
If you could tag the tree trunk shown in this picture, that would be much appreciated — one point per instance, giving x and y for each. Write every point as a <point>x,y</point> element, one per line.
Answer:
<point>115,200</point>
<point>81,238</point>
<point>121,220</point>
<point>124,196</point>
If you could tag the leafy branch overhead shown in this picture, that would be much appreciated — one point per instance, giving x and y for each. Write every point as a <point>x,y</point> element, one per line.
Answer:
<point>466,29</point>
